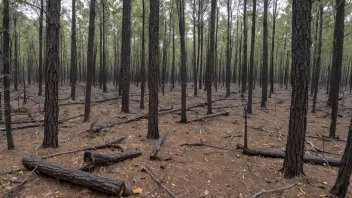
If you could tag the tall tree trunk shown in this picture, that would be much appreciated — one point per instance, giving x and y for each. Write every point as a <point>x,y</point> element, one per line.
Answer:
<point>312,86</point>
<point>104,69</point>
<point>343,177</point>
<point>234,79</point>
<point>164,61</point>
<point>101,62</point>
<point>272,49</point>
<point>201,44</point>
<point>318,58</point>
<point>181,16</point>
<point>90,60</point>
<point>265,57</point>
<point>194,50</point>
<point>73,52</point>
<point>6,71</point>
<point>173,58</point>
<point>125,55</point>
<point>301,30</point>
<point>41,18</point>
<point>240,59</point>
<point>153,70</point>
<point>244,63</point>
<point>51,105</point>
<point>211,55</point>
<point>228,50</point>
<point>251,61</point>
<point>337,63</point>
<point>142,74</point>
<point>16,52</point>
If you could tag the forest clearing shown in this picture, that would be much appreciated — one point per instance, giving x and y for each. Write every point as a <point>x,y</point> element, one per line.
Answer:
<point>175,98</point>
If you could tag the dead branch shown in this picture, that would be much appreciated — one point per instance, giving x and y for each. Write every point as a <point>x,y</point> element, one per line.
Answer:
<point>208,116</point>
<point>326,138</point>
<point>158,182</point>
<point>102,146</point>
<point>17,188</point>
<point>201,143</point>
<point>275,190</point>
<point>156,147</point>
<point>34,125</point>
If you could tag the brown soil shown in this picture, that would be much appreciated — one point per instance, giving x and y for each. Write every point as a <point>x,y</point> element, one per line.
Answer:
<point>193,171</point>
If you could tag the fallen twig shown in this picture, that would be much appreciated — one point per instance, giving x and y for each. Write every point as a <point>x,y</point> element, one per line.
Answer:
<point>201,143</point>
<point>275,190</point>
<point>118,141</point>
<point>17,188</point>
<point>158,182</point>
<point>39,123</point>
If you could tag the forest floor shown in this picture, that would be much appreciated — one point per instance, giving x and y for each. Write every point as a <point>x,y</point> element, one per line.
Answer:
<point>193,171</point>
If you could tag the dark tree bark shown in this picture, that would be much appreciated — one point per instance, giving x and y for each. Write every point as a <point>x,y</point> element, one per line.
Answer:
<point>318,59</point>
<point>244,62</point>
<point>16,52</point>
<point>125,55</point>
<point>101,62</point>
<point>173,58</point>
<point>301,30</point>
<point>164,61</point>
<point>251,61</point>
<point>104,69</point>
<point>51,106</point>
<point>41,18</point>
<point>6,71</point>
<point>73,52</point>
<point>194,50</point>
<point>90,60</point>
<point>234,76</point>
<point>337,63</point>
<point>143,71</point>
<point>211,55</point>
<point>228,49</point>
<point>272,49</point>
<point>153,71</point>
<point>265,57</point>
<point>343,177</point>
<point>312,86</point>
<point>200,43</point>
<point>181,16</point>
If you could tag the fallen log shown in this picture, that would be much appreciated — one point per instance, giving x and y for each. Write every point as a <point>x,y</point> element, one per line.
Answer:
<point>112,124</point>
<point>102,146</point>
<point>94,102</point>
<point>109,158</point>
<point>39,124</point>
<point>156,147</point>
<point>201,143</point>
<point>277,154</point>
<point>209,116</point>
<point>145,116</point>
<point>96,183</point>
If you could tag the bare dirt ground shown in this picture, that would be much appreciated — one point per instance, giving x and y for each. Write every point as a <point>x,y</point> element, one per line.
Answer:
<point>193,171</point>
